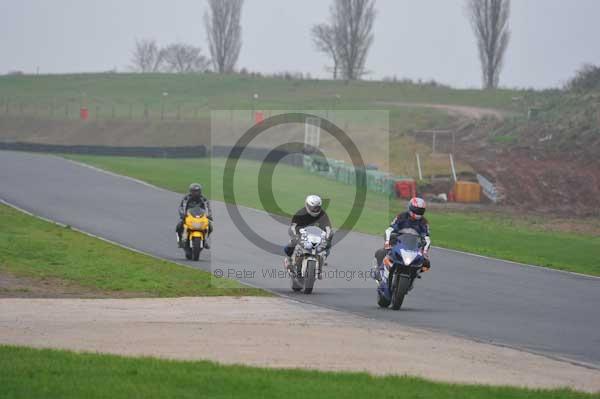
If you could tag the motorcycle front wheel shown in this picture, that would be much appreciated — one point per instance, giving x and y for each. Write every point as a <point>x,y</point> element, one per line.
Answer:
<point>309,279</point>
<point>196,248</point>
<point>399,289</point>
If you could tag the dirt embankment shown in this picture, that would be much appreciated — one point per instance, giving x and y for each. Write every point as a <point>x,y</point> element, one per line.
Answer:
<point>274,332</point>
<point>534,171</point>
<point>549,164</point>
<point>461,111</point>
<point>545,185</point>
<point>12,286</point>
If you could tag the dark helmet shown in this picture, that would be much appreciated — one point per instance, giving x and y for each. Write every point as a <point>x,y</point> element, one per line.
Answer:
<point>416,208</point>
<point>195,191</point>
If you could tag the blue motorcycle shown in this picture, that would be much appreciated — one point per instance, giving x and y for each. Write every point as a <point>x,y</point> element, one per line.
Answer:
<point>400,268</point>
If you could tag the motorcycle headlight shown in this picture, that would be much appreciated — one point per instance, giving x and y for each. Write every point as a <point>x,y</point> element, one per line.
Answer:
<point>198,226</point>
<point>408,256</point>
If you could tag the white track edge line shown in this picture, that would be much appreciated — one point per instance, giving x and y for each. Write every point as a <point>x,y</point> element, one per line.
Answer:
<point>288,297</point>
<point>118,244</point>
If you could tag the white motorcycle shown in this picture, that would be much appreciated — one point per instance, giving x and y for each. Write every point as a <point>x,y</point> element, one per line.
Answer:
<point>308,259</point>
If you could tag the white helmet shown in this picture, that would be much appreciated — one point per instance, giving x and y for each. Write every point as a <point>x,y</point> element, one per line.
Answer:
<point>313,205</point>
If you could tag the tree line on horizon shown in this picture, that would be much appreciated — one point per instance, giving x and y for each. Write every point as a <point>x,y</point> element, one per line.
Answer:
<point>345,38</point>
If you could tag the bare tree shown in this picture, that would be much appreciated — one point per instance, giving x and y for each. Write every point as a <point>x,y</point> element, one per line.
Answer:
<point>146,56</point>
<point>489,19</point>
<point>353,23</point>
<point>325,41</point>
<point>184,58</point>
<point>224,31</point>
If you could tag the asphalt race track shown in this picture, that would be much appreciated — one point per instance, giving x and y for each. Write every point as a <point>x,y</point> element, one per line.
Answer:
<point>488,300</point>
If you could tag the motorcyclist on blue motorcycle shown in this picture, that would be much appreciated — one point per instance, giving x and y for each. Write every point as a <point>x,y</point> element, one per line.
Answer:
<point>412,219</point>
<point>312,214</point>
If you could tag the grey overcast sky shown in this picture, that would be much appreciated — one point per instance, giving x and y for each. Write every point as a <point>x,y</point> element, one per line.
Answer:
<point>413,38</point>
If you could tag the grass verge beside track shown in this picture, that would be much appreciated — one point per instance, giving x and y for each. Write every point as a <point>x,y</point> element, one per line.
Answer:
<point>33,248</point>
<point>33,373</point>
<point>485,234</point>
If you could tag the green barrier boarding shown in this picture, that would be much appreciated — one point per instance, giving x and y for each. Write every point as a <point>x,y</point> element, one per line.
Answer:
<point>376,181</point>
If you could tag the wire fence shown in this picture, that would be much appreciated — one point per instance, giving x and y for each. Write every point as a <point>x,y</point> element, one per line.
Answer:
<point>61,109</point>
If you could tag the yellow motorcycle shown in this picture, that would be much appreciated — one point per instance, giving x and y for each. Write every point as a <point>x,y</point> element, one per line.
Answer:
<point>195,229</point>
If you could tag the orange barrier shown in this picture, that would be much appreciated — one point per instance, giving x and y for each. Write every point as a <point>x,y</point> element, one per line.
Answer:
<point>406,188</point>
<point>466,191</point>
<point>84,113</point>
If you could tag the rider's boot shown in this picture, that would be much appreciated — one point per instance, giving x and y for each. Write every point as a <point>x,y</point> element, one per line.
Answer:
<point>179,241</point>
<point>287,263</point>
<point>376,272</point>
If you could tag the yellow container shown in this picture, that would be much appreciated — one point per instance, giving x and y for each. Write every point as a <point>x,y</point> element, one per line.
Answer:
<point>466,191</point>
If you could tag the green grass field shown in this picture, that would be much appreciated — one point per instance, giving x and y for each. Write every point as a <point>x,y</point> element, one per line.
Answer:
<point>121,97</point>
<point>32,373</point>
<point>486,234</point>
<point>193,92</point>
<point>30,247</point>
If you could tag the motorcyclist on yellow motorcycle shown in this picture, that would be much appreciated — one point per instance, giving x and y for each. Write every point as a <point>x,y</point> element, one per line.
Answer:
<point>193,199</point>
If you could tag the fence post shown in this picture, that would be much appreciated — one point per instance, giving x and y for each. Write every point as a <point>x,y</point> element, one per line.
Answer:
<point>419,166</point>
<point>97,111</point>
<point>7,105</point>
<point>162,110</point>
<point>67,110</point>
<point>146,111</point>
<point>130,111</point>
<point>21,109</point>
<point>178,111</point>
<point>452,167</point>
<point>114,112</point>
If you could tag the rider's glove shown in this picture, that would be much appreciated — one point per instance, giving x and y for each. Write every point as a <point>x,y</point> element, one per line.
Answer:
<point>387,245</point>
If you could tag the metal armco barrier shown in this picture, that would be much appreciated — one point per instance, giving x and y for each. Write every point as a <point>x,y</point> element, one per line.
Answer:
<point>377,181</point>
<point>151,152</point>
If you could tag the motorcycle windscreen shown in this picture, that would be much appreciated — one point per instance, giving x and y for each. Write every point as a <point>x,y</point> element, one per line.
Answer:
<point>313,230</point>
<point>314,237</point>
<point>197,211</point>
<point>409,242</point>
<point>407,248</point>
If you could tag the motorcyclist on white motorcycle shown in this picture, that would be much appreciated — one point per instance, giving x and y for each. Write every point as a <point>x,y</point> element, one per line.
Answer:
<point>312,214</point>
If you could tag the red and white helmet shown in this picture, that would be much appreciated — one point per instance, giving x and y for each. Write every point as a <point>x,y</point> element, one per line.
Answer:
<point>416,208</point>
